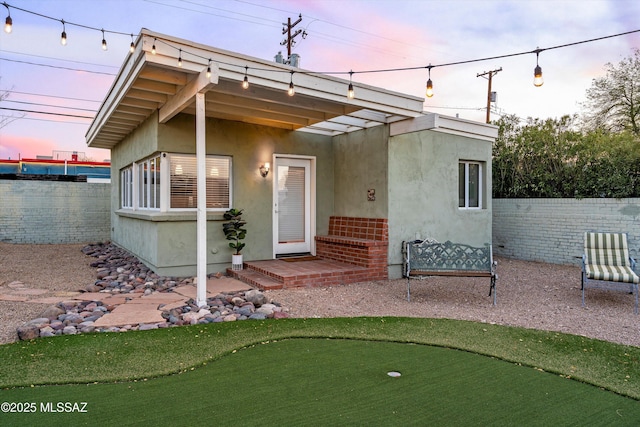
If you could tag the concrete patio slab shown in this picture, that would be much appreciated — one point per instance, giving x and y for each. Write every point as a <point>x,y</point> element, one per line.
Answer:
<point>187,291</point>
<point>90,296</point>
<point>158,298</point>
<point>226,284</point>
<point>26,291</point>
<point>214,287</point>
<point>48,300</point>
<point>130,314</point>
<point>16,298</point>
<point>66,294</point>
<point>172,305</point>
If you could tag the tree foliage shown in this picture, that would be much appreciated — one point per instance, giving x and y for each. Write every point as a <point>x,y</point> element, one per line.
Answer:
<point>550,159</point>
<point>613,101</point>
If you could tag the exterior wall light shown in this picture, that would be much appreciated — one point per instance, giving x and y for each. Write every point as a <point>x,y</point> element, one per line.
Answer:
<point>264,169</point>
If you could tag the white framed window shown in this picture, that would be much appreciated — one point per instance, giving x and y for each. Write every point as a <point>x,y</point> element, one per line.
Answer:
<point>148,183</point>
<point>470,186</point>
<point>183,192</point>
<point>126,188</point>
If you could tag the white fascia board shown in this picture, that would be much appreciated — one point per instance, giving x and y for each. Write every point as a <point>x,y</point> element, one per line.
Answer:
<point>278,76</point>
<point>445,124</point>
<point>127,75</point>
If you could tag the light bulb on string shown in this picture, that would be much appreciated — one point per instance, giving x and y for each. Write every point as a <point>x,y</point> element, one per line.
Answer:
<point>179,57</point>
<point>537,72</point>
<point>63,36</point>
<point>209,69</point>
<point>153,48</point>
<point>8,23</point>
<point>104,41</point>
<point>350,92</point>
<point>292,90</point>
<point>429,92</point>
<point>132,46</point>
<point>245,82</point>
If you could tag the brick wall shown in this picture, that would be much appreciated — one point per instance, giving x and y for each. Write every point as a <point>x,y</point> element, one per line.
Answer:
<point>54,212</point>
<point>552,230</point>
<point>360,241</point>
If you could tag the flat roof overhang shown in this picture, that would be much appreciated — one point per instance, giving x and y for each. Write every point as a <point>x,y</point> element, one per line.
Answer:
<point>149,82</point>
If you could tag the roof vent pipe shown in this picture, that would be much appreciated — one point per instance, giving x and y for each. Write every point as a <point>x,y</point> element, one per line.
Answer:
<point>294,61</point>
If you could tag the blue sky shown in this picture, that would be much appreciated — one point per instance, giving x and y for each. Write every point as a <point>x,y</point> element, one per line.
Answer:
<point>342,35</point>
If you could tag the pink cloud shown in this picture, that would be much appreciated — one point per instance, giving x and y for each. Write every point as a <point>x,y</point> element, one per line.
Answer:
<point>15,147</point>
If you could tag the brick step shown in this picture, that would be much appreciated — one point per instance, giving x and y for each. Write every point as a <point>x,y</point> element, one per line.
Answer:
<point>278,274</point>
<point>255,279</point>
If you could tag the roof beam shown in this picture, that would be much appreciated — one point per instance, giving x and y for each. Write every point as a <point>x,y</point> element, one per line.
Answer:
<point>152,86</point>
<point>201,84</point>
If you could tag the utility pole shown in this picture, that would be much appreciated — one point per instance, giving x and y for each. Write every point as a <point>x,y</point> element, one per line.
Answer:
<point>289,41</point>
<point>490,74</point>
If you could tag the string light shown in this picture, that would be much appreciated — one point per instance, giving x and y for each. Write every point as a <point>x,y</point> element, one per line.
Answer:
<point>537,72</point>
<point>104,41</point>
<point>245,82</point>
<point>8,23</point>
<point>350,92</point>
<point>291,90</point>
<point>63,36</point>
<point>132,46</point>
<point>538,81</point>
<point>209,69</point>
<point>429,83</point>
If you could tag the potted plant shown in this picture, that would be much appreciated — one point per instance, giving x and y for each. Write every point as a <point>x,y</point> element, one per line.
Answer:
<point>234,230</point>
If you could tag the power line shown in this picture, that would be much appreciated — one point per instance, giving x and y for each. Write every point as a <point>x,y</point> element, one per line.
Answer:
<point>53,96</point>
<point>59,59</point>
<point>45,112</point>
<point>65,22</point>
<point>56,66</point>
<point>332,23</point>
<point>50,105</point>
<point>446,107</point>
<point>351,72</point>
<point>215,14</point>
<point>43,120</point>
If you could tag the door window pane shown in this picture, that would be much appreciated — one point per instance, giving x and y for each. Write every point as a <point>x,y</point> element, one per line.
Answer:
<point>291,206</point>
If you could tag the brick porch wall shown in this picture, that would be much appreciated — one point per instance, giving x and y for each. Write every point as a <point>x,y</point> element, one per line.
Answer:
<point>360,241</point>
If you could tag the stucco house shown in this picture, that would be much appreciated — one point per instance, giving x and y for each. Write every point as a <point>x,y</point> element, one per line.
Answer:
<point>318,173</point>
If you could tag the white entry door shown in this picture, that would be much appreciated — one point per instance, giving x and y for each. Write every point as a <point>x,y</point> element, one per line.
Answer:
<point>292,205</point>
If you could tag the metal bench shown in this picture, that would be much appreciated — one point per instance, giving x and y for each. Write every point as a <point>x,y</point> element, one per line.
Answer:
<point>606,264</point>
<point>423,258</point>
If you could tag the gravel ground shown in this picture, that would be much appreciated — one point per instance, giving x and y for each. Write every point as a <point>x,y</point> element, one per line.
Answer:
<point>530,294</point>
<point>58,269</point>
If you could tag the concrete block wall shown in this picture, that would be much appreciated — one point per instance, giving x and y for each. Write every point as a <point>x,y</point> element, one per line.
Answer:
<point>54,212</point>
<point>552,230</point>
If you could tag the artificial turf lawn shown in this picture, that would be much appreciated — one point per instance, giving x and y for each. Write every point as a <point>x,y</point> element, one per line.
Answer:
<point>338,382</point>
<point>135,358</point>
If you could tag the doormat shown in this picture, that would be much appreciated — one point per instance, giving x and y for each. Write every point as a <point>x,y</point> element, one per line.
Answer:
<point>300,258</point>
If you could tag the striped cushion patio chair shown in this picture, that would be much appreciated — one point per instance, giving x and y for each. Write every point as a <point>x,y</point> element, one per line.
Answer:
<point>606,264</point>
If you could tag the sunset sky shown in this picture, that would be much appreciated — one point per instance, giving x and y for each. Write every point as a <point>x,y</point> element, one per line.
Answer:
<point>342,35</point>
